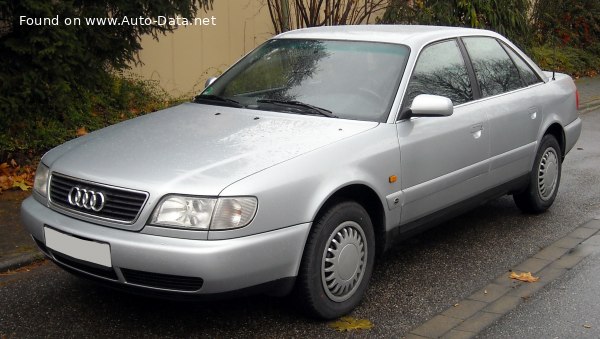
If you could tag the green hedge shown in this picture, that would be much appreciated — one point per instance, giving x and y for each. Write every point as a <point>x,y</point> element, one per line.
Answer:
<point>119,98</point>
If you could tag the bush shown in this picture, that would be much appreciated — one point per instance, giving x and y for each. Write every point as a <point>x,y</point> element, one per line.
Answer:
<point>507,17</point>
<point>566,36</point>
<point>573,23</point>
<point>56,78</point>
<point>561,35</point>
<point>120,98</point>
<point>574,61</point>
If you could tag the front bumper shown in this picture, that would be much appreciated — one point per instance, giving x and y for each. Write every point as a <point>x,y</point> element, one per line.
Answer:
<point>222,265</point>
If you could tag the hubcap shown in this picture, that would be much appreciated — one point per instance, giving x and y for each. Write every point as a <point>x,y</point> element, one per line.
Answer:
<point>548,174</point>
<point>344,260</point>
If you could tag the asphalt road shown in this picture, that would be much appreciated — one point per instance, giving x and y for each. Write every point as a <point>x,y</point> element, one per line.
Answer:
<point>414,281</point>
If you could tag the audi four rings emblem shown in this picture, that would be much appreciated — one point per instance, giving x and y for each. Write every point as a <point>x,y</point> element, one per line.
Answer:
<point>90,200</point>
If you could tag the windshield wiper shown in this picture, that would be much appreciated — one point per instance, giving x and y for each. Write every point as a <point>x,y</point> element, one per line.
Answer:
<point>307,108</point>
<point>215,99</point>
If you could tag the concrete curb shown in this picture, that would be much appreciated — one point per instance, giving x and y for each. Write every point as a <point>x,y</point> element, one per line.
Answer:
<point>589,106</point>
<point>470,316</point>
<point>20,261</point>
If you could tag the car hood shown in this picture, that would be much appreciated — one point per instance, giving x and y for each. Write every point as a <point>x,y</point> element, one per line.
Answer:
<point>195,149</point>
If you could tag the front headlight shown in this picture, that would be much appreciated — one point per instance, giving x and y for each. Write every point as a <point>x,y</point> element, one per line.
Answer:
<point>204,213</point>
<point>40,183</point>
<point>184,212</point>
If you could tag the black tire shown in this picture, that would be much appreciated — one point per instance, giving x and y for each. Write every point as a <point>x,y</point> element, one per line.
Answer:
<point>544,178</point>
<point>349,224</point>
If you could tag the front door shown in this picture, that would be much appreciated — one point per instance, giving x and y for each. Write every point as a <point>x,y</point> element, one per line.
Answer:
<point>444,160</point>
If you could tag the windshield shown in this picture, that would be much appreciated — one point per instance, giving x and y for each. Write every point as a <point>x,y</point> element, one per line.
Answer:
<point>346,79</point>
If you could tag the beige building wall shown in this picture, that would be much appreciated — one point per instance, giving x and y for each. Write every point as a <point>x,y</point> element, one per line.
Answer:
<point>182,61</point>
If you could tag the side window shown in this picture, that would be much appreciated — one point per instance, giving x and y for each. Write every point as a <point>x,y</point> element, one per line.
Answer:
<point>494,70</point>
<point>440,70</point>
<point>528,76</point>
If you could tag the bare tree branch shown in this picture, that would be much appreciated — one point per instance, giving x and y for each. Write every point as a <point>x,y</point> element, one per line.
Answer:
<point>310,13</point>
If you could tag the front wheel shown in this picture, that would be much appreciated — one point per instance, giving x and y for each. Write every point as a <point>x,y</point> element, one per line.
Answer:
<point>544,178</point>
<point>337,262</point>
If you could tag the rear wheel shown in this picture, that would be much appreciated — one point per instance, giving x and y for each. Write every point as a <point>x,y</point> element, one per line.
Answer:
<point>337,262</point>
<point>544,178</point>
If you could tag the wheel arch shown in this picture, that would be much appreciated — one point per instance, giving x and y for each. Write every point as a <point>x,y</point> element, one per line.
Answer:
<point>367,198</point>
<point>556,130</point>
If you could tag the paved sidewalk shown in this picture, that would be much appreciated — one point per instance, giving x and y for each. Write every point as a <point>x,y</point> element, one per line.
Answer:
<point>589,93</point>
<point>568,308</point>
<point>469,317</point>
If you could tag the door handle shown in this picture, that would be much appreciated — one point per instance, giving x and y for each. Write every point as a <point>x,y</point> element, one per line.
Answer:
<point>477,130</point>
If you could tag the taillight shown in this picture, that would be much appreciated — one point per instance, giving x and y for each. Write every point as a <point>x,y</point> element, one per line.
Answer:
<point>577,99</point>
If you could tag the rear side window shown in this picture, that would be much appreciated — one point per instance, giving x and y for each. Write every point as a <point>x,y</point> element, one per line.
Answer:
<point>440,70</point>
<point>528,76</point>
<point>494,70</point>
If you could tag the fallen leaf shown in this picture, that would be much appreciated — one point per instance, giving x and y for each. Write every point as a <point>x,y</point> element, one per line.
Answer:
<point>21,184</point>
<point>4,168</point>
<point>525,276</point>
<point>81,131</point>
<point>14,176</point>
<point>350,324</point>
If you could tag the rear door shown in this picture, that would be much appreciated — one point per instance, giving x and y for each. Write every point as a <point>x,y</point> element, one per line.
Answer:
<point>510,97</point>
<point>443,159</point>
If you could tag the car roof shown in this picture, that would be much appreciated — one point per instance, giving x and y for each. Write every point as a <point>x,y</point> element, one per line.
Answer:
<point>413,36</point>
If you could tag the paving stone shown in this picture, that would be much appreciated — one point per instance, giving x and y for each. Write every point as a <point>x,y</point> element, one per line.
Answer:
<point>436,326</point>
<point>594,240</point>
<point>490,293</point>
<point>503,305</point>
<point>593,224</point>
<point>413,336</point>
<point>567,261</point>
<point>582,233</point>
<point>547,275</point>
<point>567,242</point>
<point>465,309</point>
<point>584,250</point>
<point>478,322</point>
<point>456,334</point>
<point>532,265</point>
<point>551,253</point>
<point>505,280</point>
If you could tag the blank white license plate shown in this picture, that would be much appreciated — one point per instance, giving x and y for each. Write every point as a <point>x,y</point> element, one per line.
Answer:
<point>90,251</point>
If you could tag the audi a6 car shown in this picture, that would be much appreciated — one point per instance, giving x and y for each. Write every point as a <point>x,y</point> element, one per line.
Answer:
<point>305,160</point>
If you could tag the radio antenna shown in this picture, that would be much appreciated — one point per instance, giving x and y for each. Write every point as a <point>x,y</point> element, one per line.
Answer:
<point>554,58</point>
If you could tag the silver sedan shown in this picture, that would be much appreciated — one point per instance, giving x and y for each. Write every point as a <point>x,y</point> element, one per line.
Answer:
<point>304,161</point>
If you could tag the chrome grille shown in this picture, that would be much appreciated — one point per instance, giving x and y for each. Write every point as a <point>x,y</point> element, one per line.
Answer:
<point>121,205</point>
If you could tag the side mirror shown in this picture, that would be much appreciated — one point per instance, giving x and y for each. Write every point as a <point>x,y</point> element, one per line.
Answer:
<point>426,105</point>
<point>209,81</point>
